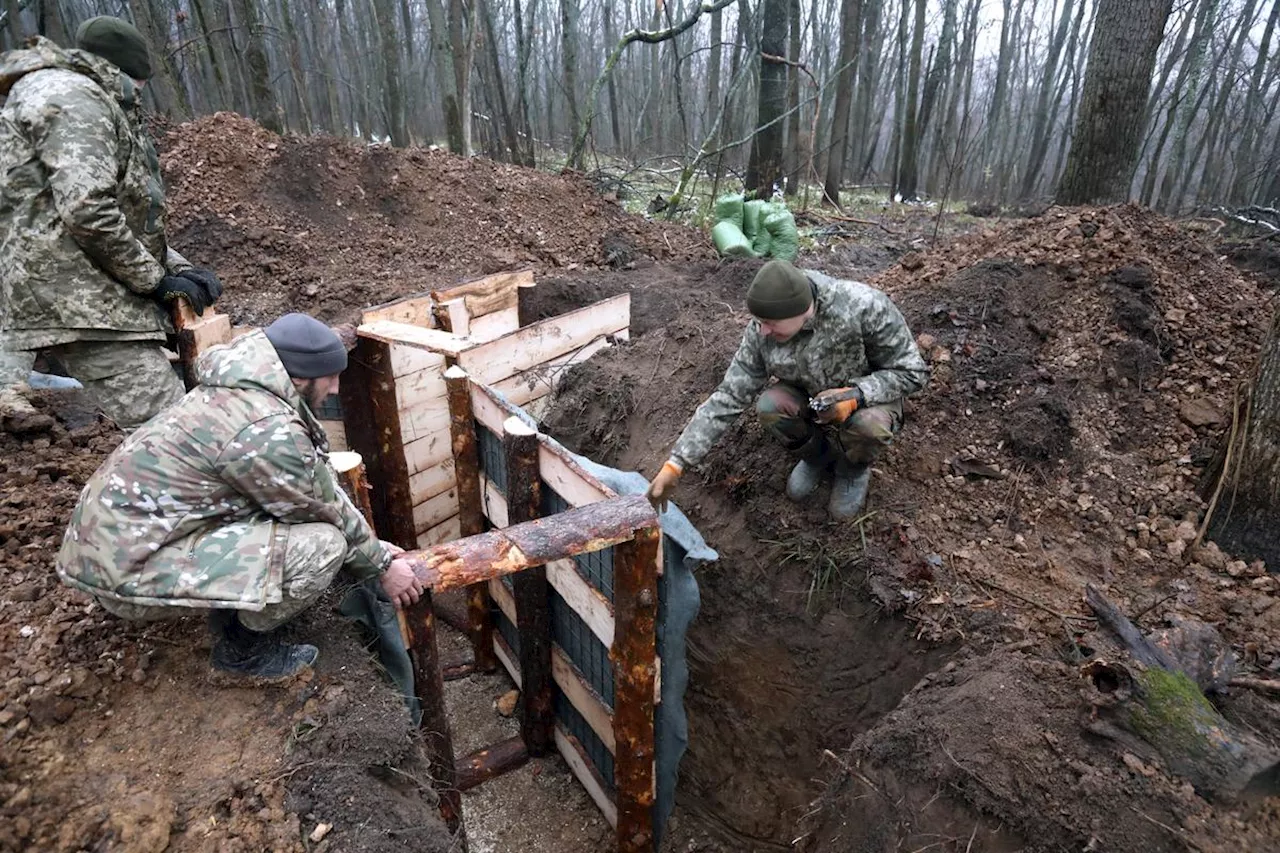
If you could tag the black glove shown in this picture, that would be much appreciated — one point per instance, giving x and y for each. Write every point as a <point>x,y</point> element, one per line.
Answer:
<point>205,279</point>
<point>173,286</point>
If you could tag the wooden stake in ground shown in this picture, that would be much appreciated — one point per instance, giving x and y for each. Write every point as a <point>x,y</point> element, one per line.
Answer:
<point>530,590</point>
<point>466,468</point>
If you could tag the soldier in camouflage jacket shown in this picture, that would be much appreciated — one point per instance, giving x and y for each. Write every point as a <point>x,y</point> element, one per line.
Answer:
<point>85,269</point>
<point>226,501</point>
<point>843,360</point>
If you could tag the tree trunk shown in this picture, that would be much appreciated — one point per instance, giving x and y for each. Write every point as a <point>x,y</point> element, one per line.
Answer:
<point>1104,152</point>
<point>615,126</point>
<point>1247,179</point>
<point>569,57</point>
<point>1042,120</point>
<point>389,53</point>
<point>764,169</point>
<point>164,85</point>
<point>995,113</point>
<point>499,91</point>
<point>909,165</point>
<point>850,35</point>
<point>265,109</point>
<point>795,148</point>
<point>294,46</point>
<point>938,79</point>
<point>455,121</point>
<point>1193,66</point>
<point>524,49</point>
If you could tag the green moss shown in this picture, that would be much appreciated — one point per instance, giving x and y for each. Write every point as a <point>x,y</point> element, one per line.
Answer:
<point>1173,711</point>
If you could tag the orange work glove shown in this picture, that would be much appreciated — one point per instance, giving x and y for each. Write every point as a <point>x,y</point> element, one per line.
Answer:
<point>663,485</point>
<point>835,405</point>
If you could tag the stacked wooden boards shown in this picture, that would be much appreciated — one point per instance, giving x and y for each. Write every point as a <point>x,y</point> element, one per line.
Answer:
<point>474,325</point>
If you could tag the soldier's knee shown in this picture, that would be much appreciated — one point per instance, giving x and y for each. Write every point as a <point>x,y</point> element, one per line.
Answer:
<point>877,425</point>
<point>780,401</point>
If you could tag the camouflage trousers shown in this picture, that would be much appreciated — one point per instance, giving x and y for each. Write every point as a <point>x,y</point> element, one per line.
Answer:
<point>313,554</point>
<point>131,381</point>
<point>783,411</point>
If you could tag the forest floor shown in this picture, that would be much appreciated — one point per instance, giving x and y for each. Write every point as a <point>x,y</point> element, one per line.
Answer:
<point>1083,361</point>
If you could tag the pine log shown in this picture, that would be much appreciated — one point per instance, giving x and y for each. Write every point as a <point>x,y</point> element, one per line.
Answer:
<point>634,656</point>
<point>530,590</point>
<point>428,686</point>
<point>484,764</point>
<point>475,559</point>
<point>466,460</point>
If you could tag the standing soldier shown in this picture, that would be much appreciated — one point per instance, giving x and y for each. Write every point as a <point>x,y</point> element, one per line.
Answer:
<point>86,273</point>
<point>843,359</point>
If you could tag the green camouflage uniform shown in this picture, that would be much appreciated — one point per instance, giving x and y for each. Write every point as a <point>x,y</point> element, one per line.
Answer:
<point>226,499</point>
<point>856,336</point>
<point>82,240</point>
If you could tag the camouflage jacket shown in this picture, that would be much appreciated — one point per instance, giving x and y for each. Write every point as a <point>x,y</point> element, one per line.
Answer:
<point>225,469</point>
<point>82,241</point>
<point>856,336</point>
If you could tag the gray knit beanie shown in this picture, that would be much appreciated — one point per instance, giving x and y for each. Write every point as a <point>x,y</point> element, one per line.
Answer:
<point>308,349</point>
<point>779,292</point>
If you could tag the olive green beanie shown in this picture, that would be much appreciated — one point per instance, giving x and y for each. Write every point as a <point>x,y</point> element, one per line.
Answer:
<point>778,292</point>
<point>118,42</point>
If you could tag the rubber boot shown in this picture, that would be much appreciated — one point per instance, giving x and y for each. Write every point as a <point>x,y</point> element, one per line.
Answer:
<point>239,651</point>
<point>815,458</point>
<point>849,491</point>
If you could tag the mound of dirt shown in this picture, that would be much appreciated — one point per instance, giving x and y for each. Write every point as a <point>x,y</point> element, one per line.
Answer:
<point>114,736</point>
<point>1083,370</point>
<point>329,225</point>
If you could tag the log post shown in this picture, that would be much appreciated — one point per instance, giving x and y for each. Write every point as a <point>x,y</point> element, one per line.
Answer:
<point>634,656</point>
<point>466,466</point>
<point>494,760</point>
<point>428,685</point>
<point>371,413</point>
<point>530,591</point>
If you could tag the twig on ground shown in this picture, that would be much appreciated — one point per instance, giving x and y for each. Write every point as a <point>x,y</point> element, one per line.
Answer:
<point>1266,685</point>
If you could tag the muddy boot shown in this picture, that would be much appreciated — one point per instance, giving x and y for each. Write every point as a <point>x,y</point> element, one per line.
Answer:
<point>239,651</point>
<point>849,491</point>
<point>815,460</point>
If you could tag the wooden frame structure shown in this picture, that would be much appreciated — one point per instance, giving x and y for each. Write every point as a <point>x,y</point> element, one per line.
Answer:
<point>430,377</point>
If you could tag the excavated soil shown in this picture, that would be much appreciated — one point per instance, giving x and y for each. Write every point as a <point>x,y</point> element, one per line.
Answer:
<point>329,226</point>
<point>1083,369</point>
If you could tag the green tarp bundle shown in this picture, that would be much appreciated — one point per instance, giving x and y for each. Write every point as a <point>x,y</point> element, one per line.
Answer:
<point>754,229</point>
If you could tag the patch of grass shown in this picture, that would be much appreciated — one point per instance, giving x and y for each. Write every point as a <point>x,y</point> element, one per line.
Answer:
<point>829,561</point>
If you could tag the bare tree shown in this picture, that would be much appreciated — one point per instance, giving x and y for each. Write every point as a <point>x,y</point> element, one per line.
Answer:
<point>1108,132</point>
<point>850,36</point>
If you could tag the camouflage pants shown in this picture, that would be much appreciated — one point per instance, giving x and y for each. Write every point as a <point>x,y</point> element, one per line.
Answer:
<point>313,554</point>
<point>783,411</point>
<point>132,381</point>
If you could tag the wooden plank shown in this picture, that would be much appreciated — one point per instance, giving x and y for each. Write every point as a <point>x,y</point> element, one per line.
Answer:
<point>423,384</point>
<point>583,697</point>
<point>488,294</point>
<point>580,766</point>
<point>431,482</point>
<point>445,531</point>
<point>426,452</point>
<point>488,411</point>
<point>537,382</point>
<point>432,340</point>
<point>372,425</point>
<point>435,510</point>
<point>337,433</point>
<point>569,480</point>
<point>503,598</point>
<point>452,316</point>
<point>488,327</point>
<point>506,657</point>
<point>408,360</point>
<point>542,341</point>
<point>634,653</point>
<point>426,418</point>
<point>414,310</point>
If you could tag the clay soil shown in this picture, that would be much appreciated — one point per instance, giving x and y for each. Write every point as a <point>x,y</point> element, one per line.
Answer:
<point>910,682</point>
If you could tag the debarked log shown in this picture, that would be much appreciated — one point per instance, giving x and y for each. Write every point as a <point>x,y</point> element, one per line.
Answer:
<point>482,558</point>
<point>494,760</point>
<point>1147,707</point>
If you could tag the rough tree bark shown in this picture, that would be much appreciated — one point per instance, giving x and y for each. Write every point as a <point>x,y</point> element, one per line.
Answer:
<point>456,121</point>
<point>569,57</point>
<point>908,168</point>
<point>795,147</point>
<point>1042,120</point>
<point>764,169</point>
<point>389,59</point>
<point>1108,133</point>
<point>265,109</point>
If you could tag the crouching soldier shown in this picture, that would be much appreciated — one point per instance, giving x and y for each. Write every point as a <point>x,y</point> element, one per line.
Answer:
<point>843,360</point>
<point>226,502</point>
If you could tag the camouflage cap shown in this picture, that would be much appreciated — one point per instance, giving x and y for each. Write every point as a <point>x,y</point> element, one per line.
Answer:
<point>778,292</point>
<point>307,348</point>
<point>118,42</point>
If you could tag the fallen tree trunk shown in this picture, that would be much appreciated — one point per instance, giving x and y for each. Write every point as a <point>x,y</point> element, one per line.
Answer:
<point>1152,704</point>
